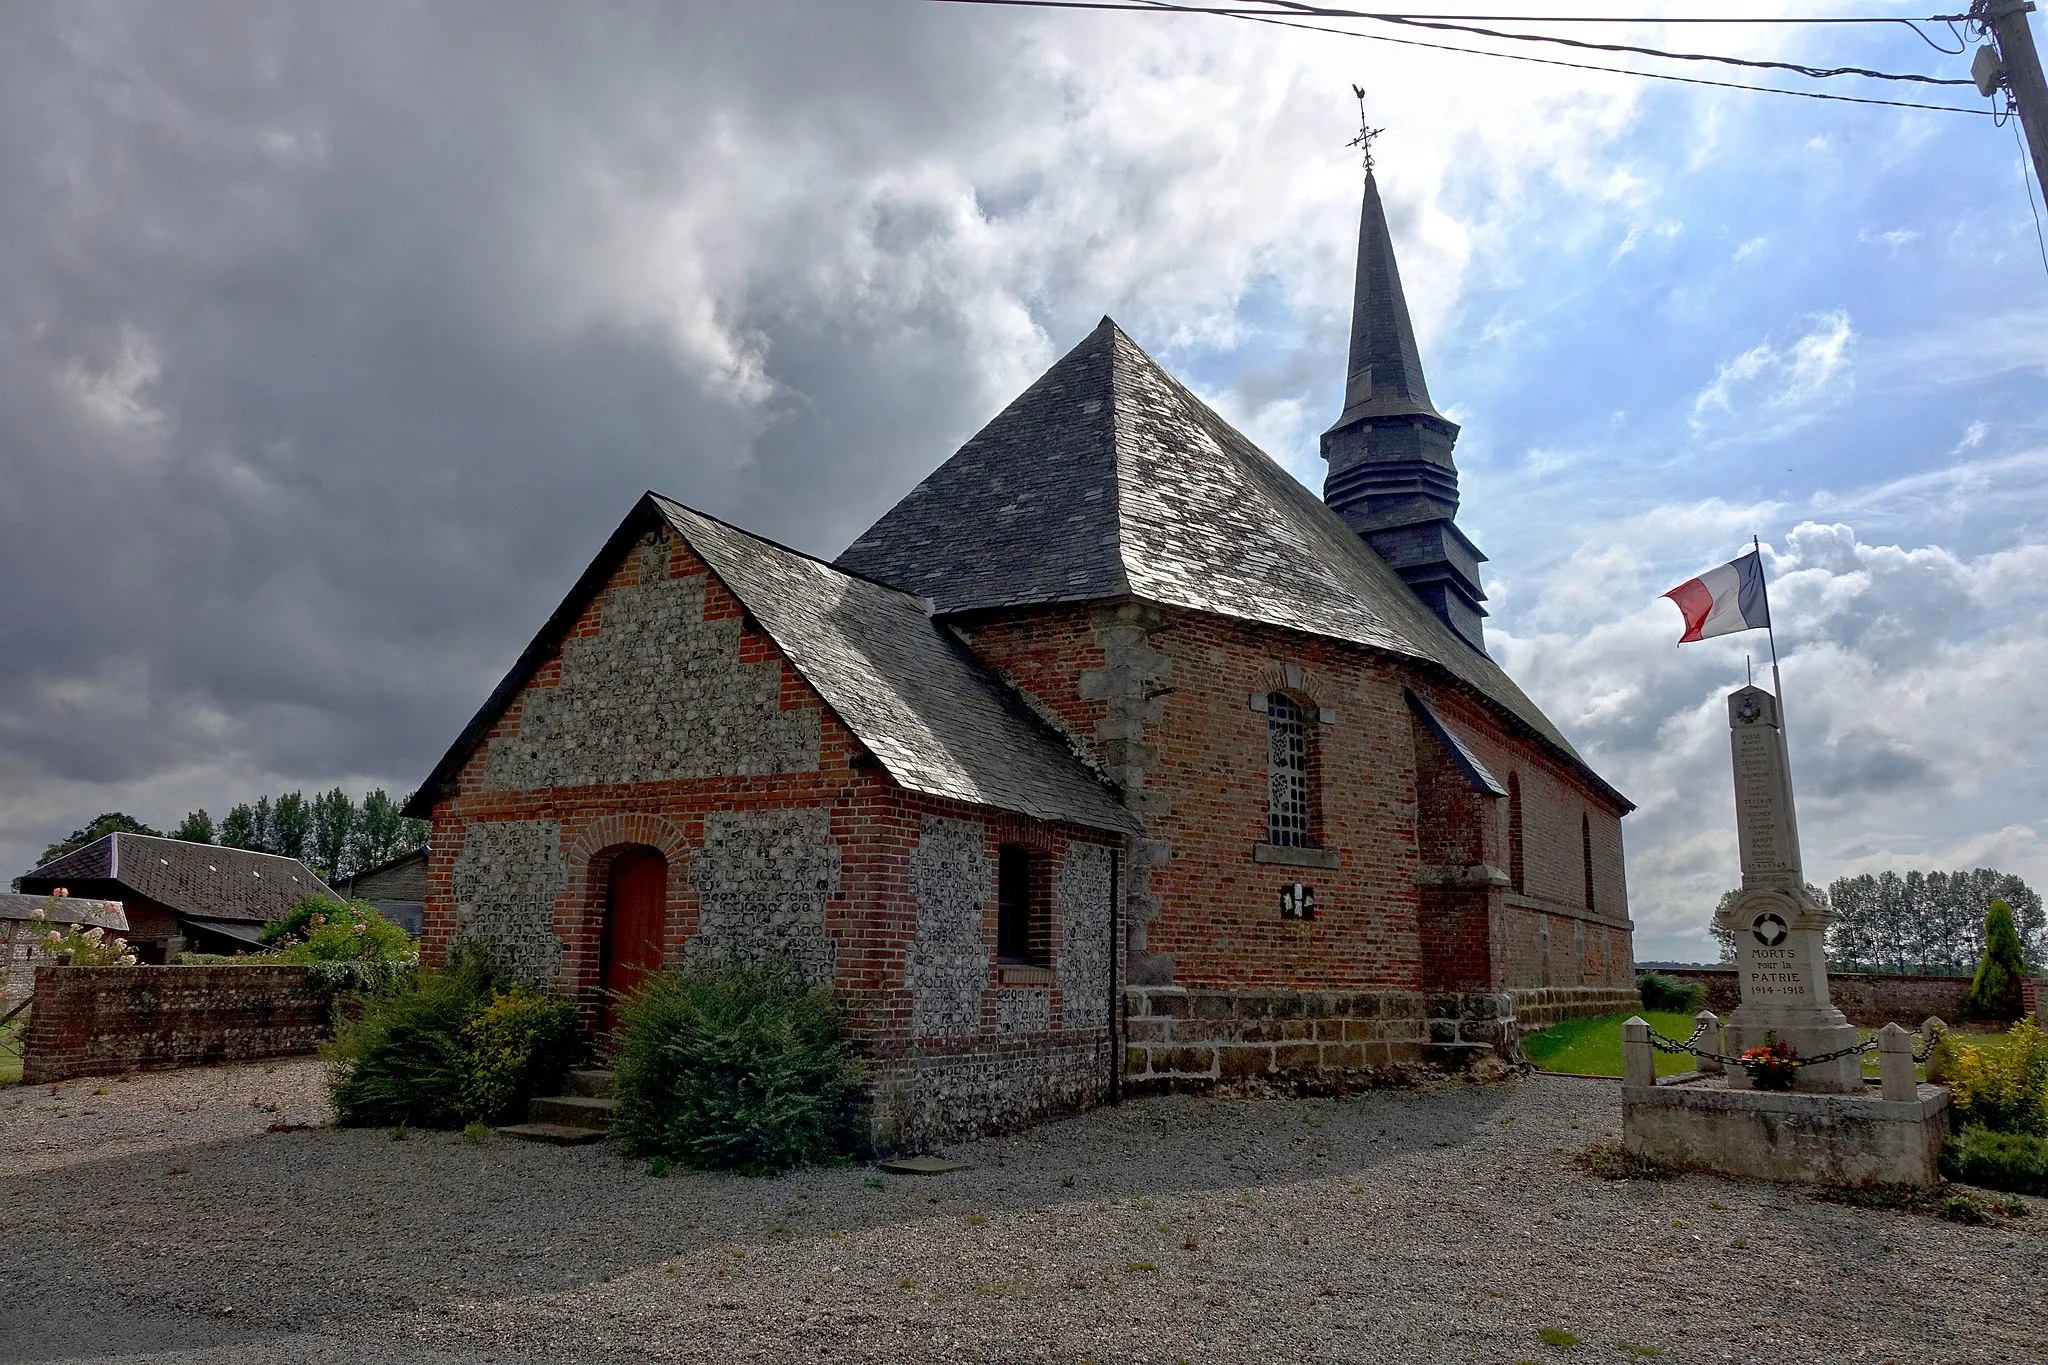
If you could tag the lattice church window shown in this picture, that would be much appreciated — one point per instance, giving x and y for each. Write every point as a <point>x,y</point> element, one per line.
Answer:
<point>1287,813</point>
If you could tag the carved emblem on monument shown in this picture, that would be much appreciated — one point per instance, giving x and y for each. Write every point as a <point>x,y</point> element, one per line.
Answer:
<point>1769,930</point>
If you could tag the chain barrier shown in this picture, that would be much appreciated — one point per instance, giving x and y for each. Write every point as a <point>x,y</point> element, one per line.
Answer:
<point>1675,1048</point>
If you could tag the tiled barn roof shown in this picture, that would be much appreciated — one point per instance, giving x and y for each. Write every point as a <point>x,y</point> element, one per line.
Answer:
<point>1107,478</point>
<point>203,880</point>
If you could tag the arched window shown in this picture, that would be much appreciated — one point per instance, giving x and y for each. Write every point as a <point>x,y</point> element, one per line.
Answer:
<point>1287,790</point>
<point>1515,833</point>
<point>1586,854</point>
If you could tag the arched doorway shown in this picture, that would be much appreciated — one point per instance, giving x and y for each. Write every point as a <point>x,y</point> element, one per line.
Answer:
<point>635,919</point>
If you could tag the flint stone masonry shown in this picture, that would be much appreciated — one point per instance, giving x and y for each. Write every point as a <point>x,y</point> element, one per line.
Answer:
<point>100,1021</point>
<point>504,885</point>
<point>1023,1011</point>
<point>987,1085</point>
<point>658,694</point>
<point>951,880</point>
<point>1082,970</point>
<point>763,879</point>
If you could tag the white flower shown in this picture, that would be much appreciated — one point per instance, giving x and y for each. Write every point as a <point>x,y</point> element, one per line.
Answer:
<point>127,959</point>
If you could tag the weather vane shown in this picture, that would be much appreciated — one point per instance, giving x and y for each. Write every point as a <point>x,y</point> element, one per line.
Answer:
<point>1366,132</point>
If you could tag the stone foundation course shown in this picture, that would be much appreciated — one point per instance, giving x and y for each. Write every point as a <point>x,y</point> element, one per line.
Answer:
<point>102,1021</point>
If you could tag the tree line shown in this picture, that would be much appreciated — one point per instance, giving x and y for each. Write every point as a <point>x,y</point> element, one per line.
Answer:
<point>335,836</point>
<point>1920,923</point>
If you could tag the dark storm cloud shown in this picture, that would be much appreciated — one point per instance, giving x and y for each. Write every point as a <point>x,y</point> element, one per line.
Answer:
<point>320,378</point>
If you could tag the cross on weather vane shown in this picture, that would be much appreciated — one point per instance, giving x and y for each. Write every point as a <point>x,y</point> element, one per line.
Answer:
<point>1366,132</point>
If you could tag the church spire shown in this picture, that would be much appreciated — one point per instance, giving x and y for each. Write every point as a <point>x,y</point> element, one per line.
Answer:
<point>1391,475</point>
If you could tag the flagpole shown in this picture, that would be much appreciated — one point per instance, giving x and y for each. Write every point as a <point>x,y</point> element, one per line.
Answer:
<point>1770,627</point>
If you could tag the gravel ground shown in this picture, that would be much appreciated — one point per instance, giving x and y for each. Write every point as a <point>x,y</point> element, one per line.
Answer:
<point>158,1219</point>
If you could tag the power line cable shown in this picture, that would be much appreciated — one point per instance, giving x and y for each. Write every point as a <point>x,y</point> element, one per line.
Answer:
<point>1813,72</point>
<point>1269,17</point>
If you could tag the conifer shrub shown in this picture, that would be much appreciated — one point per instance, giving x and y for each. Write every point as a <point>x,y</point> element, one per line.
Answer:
<point>735,1066</point>
<point>1661,992</point>
<point>446,1049</point>
<point>1995,989</point>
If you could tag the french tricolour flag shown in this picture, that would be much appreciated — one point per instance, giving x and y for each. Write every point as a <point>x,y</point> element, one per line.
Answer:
<point>1724,600</point>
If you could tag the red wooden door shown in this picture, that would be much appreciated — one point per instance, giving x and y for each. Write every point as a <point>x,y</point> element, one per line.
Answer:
<point>636,914</point>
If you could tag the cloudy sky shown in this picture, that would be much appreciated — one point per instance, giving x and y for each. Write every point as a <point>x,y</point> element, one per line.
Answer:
<point>334,340</point>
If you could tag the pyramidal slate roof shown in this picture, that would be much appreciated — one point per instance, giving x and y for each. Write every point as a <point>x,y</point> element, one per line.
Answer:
<point>1107,478</point>
<point>206,881</point>
<point>1384,377</point>
<point>937,720</point>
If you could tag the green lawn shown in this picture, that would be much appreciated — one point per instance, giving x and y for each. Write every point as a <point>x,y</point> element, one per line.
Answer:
<point>10,1056</point>
<point>1592,1047</point>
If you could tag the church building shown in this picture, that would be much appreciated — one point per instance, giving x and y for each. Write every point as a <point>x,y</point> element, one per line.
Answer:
<point>1109,755</point>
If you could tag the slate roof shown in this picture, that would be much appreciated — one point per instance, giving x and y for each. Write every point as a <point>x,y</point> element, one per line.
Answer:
<point>1384,376</point>
<point>935,717</point>
<point>1476,772</point>
<point>205,881</point>
<point>1106,478</point>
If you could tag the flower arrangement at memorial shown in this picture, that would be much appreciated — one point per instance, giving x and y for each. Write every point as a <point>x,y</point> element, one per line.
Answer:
<point>1772,1066</point>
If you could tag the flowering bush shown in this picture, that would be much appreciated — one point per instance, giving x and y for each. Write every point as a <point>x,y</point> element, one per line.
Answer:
<point>2003,1088</point>
<point>80,946</point>
<point>1772,1066</point>
<point>321,930</point>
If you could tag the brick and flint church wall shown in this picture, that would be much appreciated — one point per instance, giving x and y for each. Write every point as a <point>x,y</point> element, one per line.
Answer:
<point>668,720</point>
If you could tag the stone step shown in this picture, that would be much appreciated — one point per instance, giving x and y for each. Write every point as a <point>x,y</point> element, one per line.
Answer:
<point>595,1082</point>
<point>554,1134</point>
<point>585,1111</point>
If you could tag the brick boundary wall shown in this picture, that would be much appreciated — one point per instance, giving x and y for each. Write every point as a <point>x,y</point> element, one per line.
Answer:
<point>1871,1000</point>
<point>1175,1034</point>
<point>101,1021</point>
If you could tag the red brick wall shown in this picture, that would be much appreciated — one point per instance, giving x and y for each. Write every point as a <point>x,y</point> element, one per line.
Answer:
<point>1869,999</point>
<point>100,1021</point>
<point>1206,763</point>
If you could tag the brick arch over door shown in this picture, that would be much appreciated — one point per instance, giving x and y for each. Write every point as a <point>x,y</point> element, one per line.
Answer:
<point>579,914</point>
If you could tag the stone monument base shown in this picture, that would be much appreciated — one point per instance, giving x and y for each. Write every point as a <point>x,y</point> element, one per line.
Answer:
<point>1702,1125</point>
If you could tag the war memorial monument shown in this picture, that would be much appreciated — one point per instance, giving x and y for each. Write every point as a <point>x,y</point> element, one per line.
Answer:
<point>1780,1093</point>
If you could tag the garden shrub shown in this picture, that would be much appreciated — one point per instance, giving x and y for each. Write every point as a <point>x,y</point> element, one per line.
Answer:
<point>321,930</point>
<point>518,1045</point>
<point>735,1066</point>
<point>2003,1088</point>
<point>2014,1162</point>
<point>1661,992</point>
<point>445,1049</point>
<point>1995,989</point>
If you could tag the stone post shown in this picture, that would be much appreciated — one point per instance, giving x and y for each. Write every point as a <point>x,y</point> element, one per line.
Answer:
<point>1932,1028</point>
<point>1895,1063</point>
<point>1780,928</point>
<point>1638,1058</point>
<point>1708,1026</point>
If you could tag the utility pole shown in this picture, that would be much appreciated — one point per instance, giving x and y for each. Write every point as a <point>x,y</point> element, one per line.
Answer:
<point>2019,69</point>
